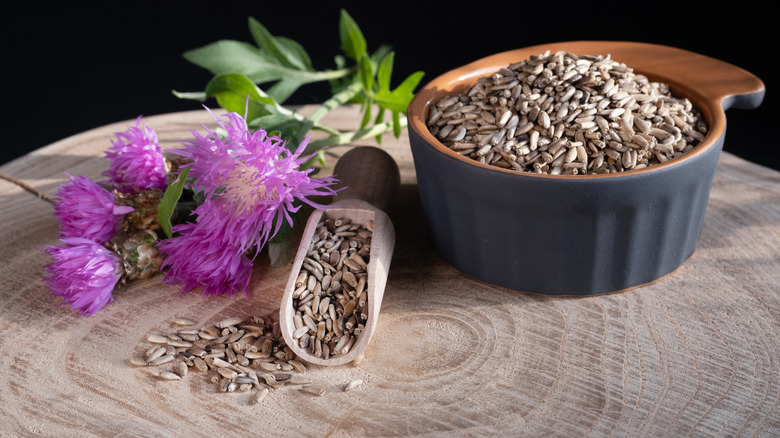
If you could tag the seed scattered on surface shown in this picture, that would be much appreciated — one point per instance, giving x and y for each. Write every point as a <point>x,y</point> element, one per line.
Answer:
<point>236,354</point>
<point>229,322</point>
<point>227,373</point>
<point>299,380</point>
<point>161,360</point>
<point>181,344</point>
<point>158,339</point>
<point>312,389</point>
<point>297,366</point>
<point>246,379</point>
<point>182,369</point>
<point>271,381</point>
<point>258,396</point>
<point>138,362</point>
<point>167,375</point>
<point>352,384</point>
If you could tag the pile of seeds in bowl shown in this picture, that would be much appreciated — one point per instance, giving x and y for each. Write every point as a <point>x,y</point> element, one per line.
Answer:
<point>561,113</point>
<point>330,297</point>
<point>241,355</point>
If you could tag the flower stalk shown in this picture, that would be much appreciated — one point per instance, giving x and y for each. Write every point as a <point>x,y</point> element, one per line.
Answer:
<point>202,215</point>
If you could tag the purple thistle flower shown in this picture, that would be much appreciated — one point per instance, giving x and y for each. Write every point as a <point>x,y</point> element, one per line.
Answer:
<point>137,161</point>
<point>251,182</point>
<point>194,259</point>
<point>84,273</point>
<point>85,209</point>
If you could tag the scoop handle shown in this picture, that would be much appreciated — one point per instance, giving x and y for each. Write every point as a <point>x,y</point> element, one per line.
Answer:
<point>369,174</point>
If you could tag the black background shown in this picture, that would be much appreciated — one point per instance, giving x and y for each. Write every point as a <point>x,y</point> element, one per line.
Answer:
<point>69,67</point>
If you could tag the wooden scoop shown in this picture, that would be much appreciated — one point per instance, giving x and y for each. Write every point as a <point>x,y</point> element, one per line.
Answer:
<point>369,178</point>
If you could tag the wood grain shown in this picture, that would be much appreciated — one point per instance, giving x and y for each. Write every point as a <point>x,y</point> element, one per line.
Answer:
<point>694,354</point>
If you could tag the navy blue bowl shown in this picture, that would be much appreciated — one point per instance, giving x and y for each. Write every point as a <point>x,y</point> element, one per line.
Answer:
<point>576,234</point>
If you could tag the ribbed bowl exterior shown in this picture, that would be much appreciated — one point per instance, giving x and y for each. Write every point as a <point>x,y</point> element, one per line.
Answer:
<point>563,236</point>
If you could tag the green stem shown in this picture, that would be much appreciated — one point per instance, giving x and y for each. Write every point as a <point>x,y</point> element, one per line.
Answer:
<point>315,76</point>
<point>325,128</point>
<point>352,136</point>
<point>336,100</point>
<point>307,126</point>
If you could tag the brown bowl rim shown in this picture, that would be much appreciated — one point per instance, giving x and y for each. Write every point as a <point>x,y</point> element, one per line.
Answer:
<point>466,75</point>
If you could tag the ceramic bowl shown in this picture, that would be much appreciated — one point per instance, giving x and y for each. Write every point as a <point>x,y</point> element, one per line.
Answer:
<point>576,234</point>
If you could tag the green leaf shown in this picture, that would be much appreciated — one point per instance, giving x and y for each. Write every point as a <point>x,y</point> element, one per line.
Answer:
<point>232,57</point>
<point>339,61</point>
<point>366,114</point>
<point>338,84</point>
<point>280,252</point>
<point>385,71</point>
<point>380,116</point>
<point>316,158</point>
<point>282,90</point>
<point>228,56</point>
<point>352,41</point>
<point>231,91</point>
<point>285,229</point>
<point>380,53</point>
<point>190,95</point>
<point>296,52</point>
<point>396,124</point>
<point>280,249</point>
<point>169,200</point>
<point>272,122</point>
<point>366,73</point>
<point>287,52</point>
<point>398,100</point>
<point>409,84</point>
<point>278,59</point>
<point>285,127</point>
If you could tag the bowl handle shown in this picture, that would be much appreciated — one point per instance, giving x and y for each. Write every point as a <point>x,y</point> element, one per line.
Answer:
<point>712,79</point>
<point>718,80</point>
<point>715,80</point>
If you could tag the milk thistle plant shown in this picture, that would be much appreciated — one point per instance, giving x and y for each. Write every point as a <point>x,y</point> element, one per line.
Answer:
<point>201,214</point>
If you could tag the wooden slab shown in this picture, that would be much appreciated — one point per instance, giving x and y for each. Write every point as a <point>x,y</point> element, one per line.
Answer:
<point>697,353</point>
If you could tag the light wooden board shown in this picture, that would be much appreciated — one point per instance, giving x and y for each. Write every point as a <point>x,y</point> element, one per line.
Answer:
<point>697,353</point>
